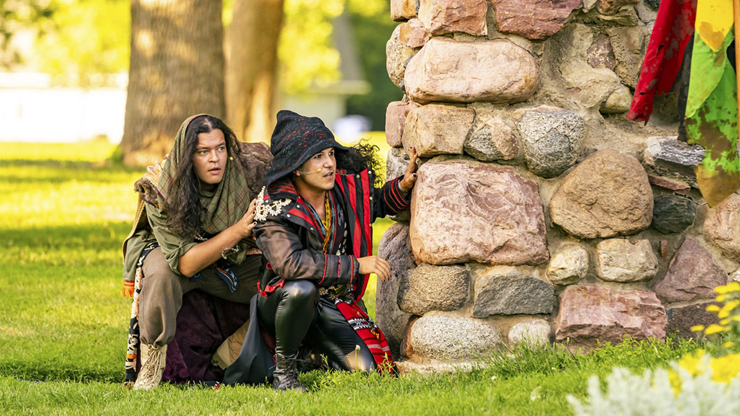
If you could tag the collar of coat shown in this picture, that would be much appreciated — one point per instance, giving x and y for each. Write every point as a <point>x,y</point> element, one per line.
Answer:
<point>283,200</point>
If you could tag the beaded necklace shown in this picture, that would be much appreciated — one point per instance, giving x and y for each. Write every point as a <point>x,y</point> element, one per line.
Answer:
<point>327,222</point>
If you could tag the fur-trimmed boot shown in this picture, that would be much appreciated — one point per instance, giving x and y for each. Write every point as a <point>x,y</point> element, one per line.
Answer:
<point>286,374</point>
<point>153,361</point>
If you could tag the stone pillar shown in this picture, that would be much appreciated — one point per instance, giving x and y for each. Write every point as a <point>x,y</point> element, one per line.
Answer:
<point>540,214</point>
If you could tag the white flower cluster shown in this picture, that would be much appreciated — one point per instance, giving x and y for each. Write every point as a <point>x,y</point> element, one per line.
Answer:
<point>652,394</point>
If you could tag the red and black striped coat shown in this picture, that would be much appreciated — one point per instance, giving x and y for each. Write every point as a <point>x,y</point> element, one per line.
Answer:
<point>291,241</point>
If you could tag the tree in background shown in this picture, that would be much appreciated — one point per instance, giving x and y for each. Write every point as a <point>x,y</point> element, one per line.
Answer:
<point>373,27</point>
<point>176,70</point>
<point>251,70</point>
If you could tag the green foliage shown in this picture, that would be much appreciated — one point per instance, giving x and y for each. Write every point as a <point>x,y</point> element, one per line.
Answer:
<point>92,38</point>
<point>724,337</point>
<point>19,15</point>
<point>81,42</point>
<point>306,51</point>
<point>372,26</point>
<point>551,359</point>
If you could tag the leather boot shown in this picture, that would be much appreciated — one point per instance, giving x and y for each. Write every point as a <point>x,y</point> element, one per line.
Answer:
<point>153,361</point>
<point>309,360</point>
<point>286,374</point>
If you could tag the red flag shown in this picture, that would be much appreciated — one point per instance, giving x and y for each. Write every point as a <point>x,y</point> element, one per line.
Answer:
<point>674,27</point>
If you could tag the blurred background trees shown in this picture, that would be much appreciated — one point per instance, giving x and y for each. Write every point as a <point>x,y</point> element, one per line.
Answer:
<point>176,70</point>
<point>251,72</point>
<point>236,59</point>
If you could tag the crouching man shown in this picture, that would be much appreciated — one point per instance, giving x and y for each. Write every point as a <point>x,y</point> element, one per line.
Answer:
<point>193,230</point>
<point>314,227</point>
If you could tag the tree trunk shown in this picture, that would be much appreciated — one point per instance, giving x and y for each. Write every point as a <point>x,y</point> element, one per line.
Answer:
<point>177,70</point>
<point>252,68</point>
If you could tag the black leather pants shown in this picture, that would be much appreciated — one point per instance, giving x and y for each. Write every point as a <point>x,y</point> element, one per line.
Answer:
<point>296,314</point>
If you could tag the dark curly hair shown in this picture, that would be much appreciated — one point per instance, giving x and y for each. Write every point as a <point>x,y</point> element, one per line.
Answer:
<point>360,157</point>
<point>184,207</point>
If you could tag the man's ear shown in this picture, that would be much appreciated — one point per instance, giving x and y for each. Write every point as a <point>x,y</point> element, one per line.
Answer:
<point>297,172</point>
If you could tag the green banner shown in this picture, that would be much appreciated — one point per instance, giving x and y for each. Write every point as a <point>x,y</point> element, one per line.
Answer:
<point>711,120</point>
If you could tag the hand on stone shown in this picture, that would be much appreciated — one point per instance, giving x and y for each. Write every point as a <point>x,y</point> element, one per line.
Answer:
<point>374,264</point>
<point>409,178</point>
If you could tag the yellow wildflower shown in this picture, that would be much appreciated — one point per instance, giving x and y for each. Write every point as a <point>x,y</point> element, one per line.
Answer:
<point>714,329</point>
<point>712,308</point>
<point>724,322</point>
<point>697,328</point>
<point>731,305</point>
<point>692,363</point>
<point>721,289</point>
<point>720,298</point>
<point>733,287</point>
<point>725,368</point>
<point>736,318</point>
<point>728,344</point>
<point>675,381</point>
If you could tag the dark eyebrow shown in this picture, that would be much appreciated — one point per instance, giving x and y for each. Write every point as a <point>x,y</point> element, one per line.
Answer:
<point>206,147</point>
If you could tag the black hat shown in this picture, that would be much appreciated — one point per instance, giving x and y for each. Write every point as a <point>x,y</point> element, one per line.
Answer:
<point>295,139</point>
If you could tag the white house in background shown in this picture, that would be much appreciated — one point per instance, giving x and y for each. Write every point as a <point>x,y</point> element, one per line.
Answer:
<point>31,110</point>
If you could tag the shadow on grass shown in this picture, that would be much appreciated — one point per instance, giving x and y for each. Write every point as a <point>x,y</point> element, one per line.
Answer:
<point>103,235</point>
<point>69,164</point>
<point>45,172</point>
<point>61,246</point>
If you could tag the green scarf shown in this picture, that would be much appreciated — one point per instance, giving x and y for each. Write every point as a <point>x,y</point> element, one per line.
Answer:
<point>229,201</point>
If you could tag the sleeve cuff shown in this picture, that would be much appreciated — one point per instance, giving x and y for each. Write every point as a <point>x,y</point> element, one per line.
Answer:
<point>406,195</point>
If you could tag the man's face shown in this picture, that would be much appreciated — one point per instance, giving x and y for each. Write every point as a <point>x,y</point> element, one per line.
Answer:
<point>318,171</point>
<point>209,159</point>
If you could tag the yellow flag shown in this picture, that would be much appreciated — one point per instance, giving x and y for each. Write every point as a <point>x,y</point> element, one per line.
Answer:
<point>713,21</point>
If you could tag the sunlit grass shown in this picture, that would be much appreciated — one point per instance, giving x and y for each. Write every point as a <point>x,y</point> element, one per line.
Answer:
<point>87,151</point>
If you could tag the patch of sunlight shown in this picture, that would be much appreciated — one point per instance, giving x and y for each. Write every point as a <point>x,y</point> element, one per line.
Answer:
<point>13,331</point>
<point>70,202</point>
<point>88,151</point>
<point>376,138</point>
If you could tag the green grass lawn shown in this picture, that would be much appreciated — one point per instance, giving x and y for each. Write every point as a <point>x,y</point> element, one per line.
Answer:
<point>63,322</point>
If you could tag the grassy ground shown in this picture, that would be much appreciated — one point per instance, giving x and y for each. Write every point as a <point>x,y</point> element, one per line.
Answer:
<point>63,321</point>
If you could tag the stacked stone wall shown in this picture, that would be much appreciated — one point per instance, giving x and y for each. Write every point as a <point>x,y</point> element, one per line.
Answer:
<point>540,213</point>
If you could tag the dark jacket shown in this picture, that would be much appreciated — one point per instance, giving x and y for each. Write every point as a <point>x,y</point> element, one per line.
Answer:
<point>291,240</point>
<point>291,243</point>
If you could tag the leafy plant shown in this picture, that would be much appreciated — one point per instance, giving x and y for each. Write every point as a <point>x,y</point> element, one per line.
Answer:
<point>697,384</point>
<point>725,336</point>
<point>654,393</point>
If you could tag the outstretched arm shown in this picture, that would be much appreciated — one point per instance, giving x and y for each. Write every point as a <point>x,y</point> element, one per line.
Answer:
<point>394,196</point>
<point>409,178</point>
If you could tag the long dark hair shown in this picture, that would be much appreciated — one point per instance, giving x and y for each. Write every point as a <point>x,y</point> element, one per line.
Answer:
<point>184,207</point>
<point>360,157</point>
